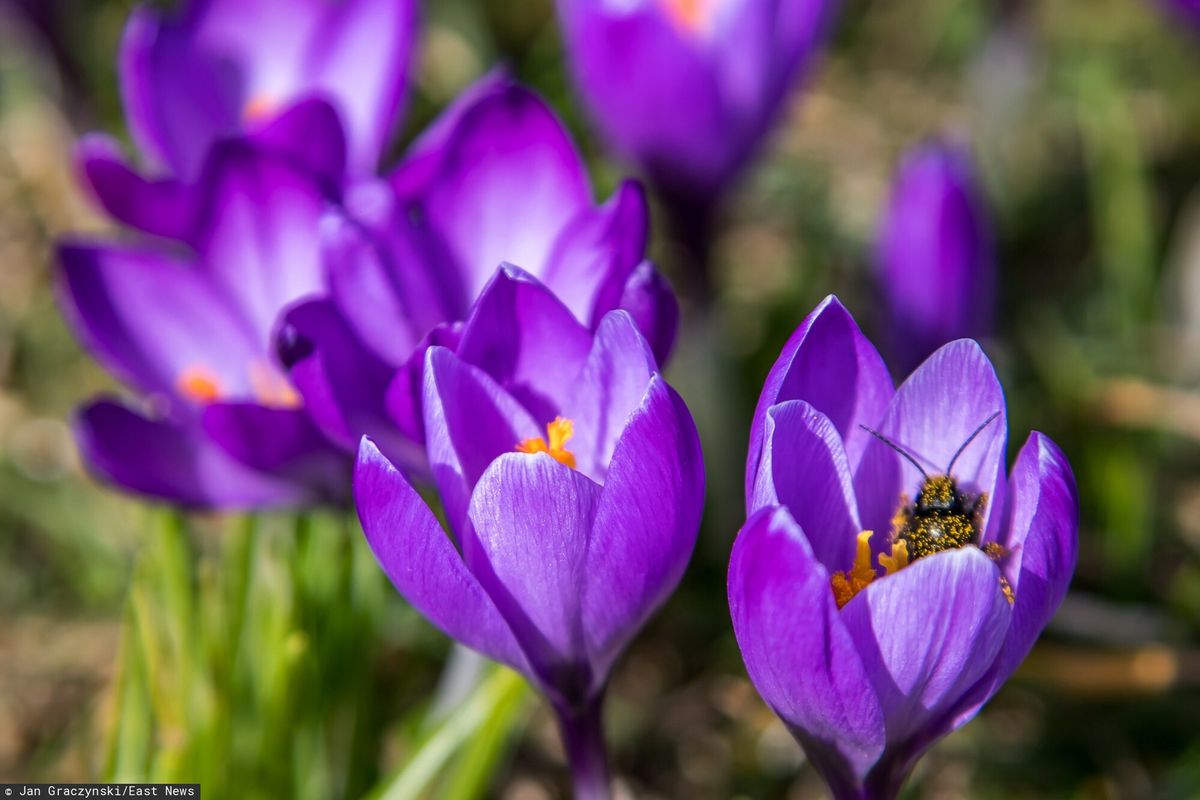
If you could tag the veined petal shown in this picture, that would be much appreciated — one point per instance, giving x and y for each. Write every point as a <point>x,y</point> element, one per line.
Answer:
<point>596,253</point>
<point>926,634</point>
<point>532,519</point>
<point>646,522</point>
<point>804,467</point>
<point>829,364</point>
<point>606,392</point>
<point>651,302</point>
<point>176,462</point>
<point>797,650</point>
<point>521,335</point>
<point>470,421</point>
<point>421,562</point>
<point>932,415</point>
<point>500,183</point>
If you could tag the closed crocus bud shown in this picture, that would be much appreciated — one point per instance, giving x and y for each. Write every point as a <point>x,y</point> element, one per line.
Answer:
<point>935,255</point>
<point>890,576</point>
<point>191,330</point>
<point>217,69</point>
<point>572,482</point>
<point>689,88</point>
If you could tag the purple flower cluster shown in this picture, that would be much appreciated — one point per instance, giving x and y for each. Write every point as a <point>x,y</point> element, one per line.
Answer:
<point>301,326</point>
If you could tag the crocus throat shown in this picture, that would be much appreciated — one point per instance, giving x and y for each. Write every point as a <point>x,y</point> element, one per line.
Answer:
<point>846,585</point>
<point>558,433</point>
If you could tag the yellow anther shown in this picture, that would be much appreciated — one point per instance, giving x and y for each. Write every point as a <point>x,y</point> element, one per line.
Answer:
<point>861,574</point>
<point>559,432</point>
<point>898,560</point>
<point>199,384</point>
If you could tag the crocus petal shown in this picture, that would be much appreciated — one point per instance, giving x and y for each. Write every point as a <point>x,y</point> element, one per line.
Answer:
<point>1041,545</point>
<point>639,47</point>
<point>507,180</point>
<point>609,388</point>
<point>798,651</point>
<point>469,421</point>
<point>404,394</point>
<point>933,413</point>
<point>532,518</point>
<point>343,383</point>
<point>280,441</point>
<point>175,462</point>
<point>524,337</point>
<point>261,213</point>
<point>829,364</point>
<point>646,522</point>
<point>421,562</point>
<point>804,467</point>
<point>151,319</point>
<point>650,301</point>
<point>162,207</point>
<point>927,633</point>
<point>223,68</point>
<point>309,134</point>
<point>596,253</point>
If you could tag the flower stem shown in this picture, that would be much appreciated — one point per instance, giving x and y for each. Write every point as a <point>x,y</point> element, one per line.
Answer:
<point>582,732</point>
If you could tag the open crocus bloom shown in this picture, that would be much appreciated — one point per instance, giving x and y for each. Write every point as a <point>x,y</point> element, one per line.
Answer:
<point>688,88</point>
<point>232,68</point>
<point>572,481</point>
<point>868,652</point>
<point>193,333</point>
<point>935,233</point>
<point>496,179</point>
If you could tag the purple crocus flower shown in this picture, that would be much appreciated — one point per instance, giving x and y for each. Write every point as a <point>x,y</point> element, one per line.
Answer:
<point>871,646</point>
<point>935,255</point>
<point>1187,11</point>
<point>227,68</point>
<point>495,179</point>
<point>572,480</point>
<point>688,88</point>
<point>191,327</point>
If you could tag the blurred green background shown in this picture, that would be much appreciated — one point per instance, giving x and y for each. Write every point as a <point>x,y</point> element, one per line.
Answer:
<point>270,658</point>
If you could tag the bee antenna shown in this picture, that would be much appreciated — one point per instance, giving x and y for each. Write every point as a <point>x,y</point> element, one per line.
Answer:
<point>970,439</point>
<point>907,455</point>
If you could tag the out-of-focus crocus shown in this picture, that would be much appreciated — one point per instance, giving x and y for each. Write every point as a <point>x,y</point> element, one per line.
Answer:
<point>935,257</point>
<point>573,482</point>
<point>191,328</point>
<point>689,88</point>
<point>496,179</point>
<point>872,624</point>
<point>230,68</point>
<point>1186,11</point>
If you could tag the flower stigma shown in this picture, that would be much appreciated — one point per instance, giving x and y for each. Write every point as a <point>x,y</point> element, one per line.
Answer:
<point>846,585</point>
<point>268,386</point>
<point>558,433</point>
<point>690,16</point>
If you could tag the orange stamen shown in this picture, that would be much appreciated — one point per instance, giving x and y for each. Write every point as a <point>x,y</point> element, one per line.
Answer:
<point>559,432</point>
<point>258,108</point>
<point>846,586</point>
<point>689,15</point>
<point>199,384</point>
